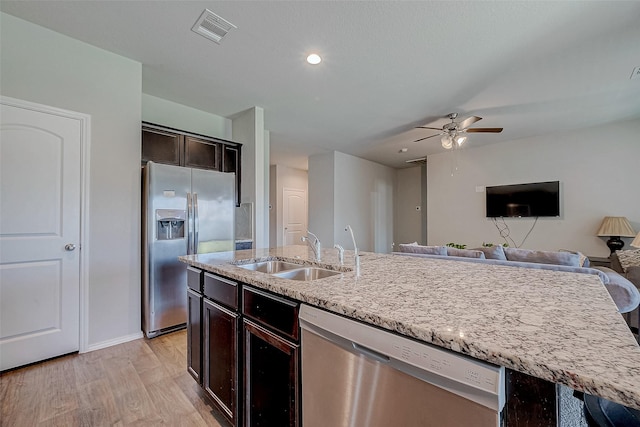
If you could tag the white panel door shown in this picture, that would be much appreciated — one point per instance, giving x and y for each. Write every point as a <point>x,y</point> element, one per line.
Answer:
<point>39,235</point>
<point>294,215</point>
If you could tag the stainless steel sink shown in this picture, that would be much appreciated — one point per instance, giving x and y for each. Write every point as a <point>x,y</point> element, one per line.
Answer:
<point>270,266</point>
<point>306,273</point>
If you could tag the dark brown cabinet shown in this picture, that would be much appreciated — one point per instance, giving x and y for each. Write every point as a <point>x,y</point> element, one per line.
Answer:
<point>161,146</point>
<point>221,345</point>
<point>194,334</point>
<point>202,153</point>
<point>271,359</point>
<point>194,325</point>
<point>220,355</point>
<point>270,378</point>
<point>231,163</point>
<point>250,351</point>
<point>180,148</point>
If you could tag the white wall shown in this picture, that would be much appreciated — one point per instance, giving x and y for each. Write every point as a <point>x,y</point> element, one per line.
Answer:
<point>361,195</point>
<point>598,173</point>
<point>409,222</point>
<point>177,116</point>
<point>321,216</point>
<point>248,129</point>
<point>45,67</point>
<point>282,177</point>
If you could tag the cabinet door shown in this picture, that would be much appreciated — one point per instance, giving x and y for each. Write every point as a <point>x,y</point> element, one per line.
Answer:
<point>194,334</point>
<point>231,163</point>
<point>270,378</point>
<point>201,153</point>
<point>220,355</point>
<point>161,146</point>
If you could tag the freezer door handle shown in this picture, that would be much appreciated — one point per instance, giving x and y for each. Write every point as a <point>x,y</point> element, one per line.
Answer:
<point>196,224</point>
<point>189,225</point>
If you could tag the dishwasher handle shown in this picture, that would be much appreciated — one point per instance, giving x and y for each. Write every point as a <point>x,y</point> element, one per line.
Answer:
<point>372,354</point>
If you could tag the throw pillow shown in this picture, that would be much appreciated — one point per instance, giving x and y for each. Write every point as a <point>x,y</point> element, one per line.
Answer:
<point>584,261</point>
<point>542,257</point>
<point>492,252</point>
<point>630,258</point>
<point>467,253</point>
<point>418,249</point>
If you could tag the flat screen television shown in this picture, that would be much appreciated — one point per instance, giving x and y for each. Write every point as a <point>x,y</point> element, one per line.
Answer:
<point>524,200</point>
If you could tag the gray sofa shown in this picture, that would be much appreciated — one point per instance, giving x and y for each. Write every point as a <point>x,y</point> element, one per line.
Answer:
<point>622,291</point>
<point>630,270</point>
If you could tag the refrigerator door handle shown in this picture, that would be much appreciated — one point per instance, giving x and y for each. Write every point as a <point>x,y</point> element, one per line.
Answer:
<point>189,225</point>
<point>196,224</point>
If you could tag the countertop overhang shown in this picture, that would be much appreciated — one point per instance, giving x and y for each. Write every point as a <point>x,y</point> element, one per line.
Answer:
<point>558,326</point>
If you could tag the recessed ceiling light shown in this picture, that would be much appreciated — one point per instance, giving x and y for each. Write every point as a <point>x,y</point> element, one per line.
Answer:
<point>314,59</point>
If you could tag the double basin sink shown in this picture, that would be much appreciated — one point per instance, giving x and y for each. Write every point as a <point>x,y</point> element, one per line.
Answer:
<point>290,270</point>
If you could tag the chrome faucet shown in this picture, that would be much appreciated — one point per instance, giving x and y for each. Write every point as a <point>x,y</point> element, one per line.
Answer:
<point>340,253</point>
<point>315,245</point>
<point>355,248</point>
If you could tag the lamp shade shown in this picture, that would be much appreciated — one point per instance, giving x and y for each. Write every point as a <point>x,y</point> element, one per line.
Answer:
<point>636,241</point>
<point>616,226</point>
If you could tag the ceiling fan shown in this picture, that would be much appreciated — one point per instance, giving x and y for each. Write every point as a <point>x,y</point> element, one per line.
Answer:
<point>454,132</point>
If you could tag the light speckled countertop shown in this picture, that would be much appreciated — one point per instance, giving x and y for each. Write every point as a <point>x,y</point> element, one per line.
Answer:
<point>558,326</point>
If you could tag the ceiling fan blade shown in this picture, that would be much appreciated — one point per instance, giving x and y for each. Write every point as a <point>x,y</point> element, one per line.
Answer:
<point>427,137</point>
<point>468,122</point>
<point>485,130</point>
<point>427,127</point>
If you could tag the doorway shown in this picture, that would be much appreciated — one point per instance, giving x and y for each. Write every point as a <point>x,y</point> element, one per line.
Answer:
<point>294,215</point>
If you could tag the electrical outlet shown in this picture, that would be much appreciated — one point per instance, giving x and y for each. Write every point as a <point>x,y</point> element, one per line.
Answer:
<point>636,73</point>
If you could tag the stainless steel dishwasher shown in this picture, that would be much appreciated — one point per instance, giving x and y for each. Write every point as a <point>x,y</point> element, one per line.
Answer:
<point>357,375</point>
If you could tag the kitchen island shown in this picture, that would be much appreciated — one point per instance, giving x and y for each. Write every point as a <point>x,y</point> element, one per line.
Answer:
<point>557,326</point>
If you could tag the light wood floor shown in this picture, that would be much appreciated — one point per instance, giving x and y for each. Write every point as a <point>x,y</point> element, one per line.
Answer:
<point>142,382</point>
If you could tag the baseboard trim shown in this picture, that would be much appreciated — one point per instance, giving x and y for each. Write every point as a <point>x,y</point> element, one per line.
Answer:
<point>112,342</point>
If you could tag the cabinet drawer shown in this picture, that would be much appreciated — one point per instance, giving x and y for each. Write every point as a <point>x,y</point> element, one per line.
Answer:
<point>274,312</point>
<point>194,279</point>
<point>222,290</point>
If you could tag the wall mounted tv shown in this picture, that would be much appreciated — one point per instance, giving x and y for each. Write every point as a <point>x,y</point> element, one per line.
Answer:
<point>524,200</point>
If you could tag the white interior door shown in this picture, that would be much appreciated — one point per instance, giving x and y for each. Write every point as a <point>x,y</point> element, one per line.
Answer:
<point>294,215</point>
<point>40,190</point>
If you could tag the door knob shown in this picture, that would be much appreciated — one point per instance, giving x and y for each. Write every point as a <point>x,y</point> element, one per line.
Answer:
<point>69,247</point>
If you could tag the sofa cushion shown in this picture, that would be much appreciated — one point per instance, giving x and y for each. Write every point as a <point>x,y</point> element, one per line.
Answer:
<point>492,252</point>
<point>627,259</point>
<point>542,257</point>
<point>467,253</point>
<point>419,249</point>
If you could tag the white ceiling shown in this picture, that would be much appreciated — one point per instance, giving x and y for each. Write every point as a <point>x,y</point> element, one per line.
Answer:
<point>530,67</point>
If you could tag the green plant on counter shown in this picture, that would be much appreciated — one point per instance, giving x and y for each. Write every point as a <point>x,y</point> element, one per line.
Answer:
<point>488,245</point>
<point>456,245</point>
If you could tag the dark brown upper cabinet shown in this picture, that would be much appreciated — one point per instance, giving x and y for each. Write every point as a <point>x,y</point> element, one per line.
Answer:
<point>161,144</point>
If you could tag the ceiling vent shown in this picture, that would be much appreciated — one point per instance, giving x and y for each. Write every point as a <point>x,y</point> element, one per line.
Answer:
<point>421,160</point>
<point>212,26</point>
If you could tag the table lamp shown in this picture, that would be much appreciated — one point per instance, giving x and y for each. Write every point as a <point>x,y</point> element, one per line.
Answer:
<point>636,241</point>
<point>615,227</point>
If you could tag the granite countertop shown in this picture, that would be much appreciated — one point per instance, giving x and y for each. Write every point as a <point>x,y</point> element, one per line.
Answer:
<point>558,326</point>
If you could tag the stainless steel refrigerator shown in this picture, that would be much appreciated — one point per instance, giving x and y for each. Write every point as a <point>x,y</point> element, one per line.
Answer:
<point>185,211</point>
